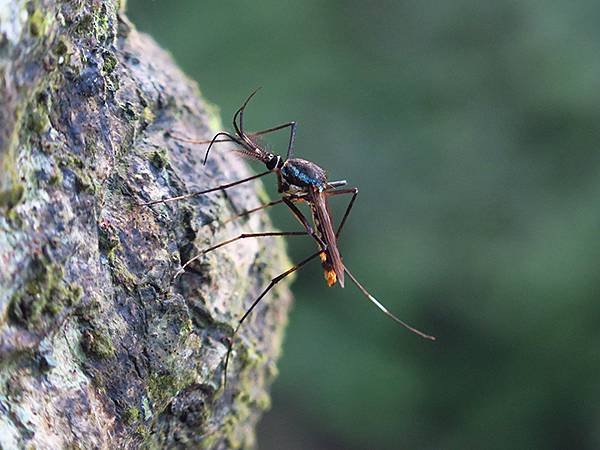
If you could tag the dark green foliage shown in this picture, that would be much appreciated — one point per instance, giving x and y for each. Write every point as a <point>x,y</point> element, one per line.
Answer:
<point>472,130</point>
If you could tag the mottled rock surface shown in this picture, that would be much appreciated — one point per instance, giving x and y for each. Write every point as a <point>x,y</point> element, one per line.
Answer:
<point>100,346</point>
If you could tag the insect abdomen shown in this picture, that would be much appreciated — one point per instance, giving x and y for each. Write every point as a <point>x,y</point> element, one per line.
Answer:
<point>328,271</point>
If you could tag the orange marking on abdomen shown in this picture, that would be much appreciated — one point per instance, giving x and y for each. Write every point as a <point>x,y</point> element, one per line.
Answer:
<point>330,277</point>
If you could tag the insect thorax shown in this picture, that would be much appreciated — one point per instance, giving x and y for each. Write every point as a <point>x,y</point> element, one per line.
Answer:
<point>303,173</point>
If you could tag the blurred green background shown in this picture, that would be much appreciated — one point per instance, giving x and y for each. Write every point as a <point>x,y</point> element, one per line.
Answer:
<point>472,129</point>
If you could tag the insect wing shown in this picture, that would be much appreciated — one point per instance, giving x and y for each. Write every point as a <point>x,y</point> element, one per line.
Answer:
<point>324,224</point>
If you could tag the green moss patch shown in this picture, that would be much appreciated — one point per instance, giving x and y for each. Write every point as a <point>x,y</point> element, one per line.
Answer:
<point>109,63</point>
<point>11,197</point>
<point>162,388</point>
<point>131,415</point>
<point>44,295</point>
<point>98,343</point>
<point>159,158</point>
<point>37,23</point>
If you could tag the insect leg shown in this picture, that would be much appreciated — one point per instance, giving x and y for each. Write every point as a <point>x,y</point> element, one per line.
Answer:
<point>384,309</point>
<point>244,144</point>
<point>336,184</point>
<point>273,282</point>
<point>206,191</point>
<point>237,238</point>
<point>238,124</point>
<point>250,211</point>
<point>259,208</point>
<point>302,219</point>
<point>354,192</point>
<point>292,126</point>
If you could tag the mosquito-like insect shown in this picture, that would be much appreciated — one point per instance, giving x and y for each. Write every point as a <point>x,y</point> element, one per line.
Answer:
<point>298,181</point>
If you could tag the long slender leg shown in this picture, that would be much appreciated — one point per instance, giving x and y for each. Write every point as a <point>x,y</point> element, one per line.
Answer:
<point>273,282</point>
<point>354,192</point>
<point>239,118</point>
<point>384,309</point>
<point>206,191</point>
<point>292,125</point>
<point>336,184</point>
<point>290,150</point>
<point>253,210</point>
<point>304,221</point>
<point>237,238</point>
<point>247,235</point>
<point>260,208</point>
<point>242,138</point>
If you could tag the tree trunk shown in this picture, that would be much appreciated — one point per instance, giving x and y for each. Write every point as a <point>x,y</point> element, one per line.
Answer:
<point>100,345</point>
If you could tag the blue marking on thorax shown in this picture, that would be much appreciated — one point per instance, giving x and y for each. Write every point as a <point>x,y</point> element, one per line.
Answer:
<point>302,176</point>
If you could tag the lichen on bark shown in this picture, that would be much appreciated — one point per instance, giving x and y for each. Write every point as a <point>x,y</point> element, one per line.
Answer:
<point>100,345</point>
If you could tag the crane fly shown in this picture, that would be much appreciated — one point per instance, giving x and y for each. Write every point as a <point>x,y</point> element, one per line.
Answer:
<point>298,181</point>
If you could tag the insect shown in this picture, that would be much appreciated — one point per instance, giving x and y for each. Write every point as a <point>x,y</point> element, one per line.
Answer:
<point>298,181</point>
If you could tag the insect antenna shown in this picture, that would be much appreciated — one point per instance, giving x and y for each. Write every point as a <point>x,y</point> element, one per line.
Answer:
<point>214,140</point>
<point>178,137</point>
<point>384,309</point>
<point>239,116</point>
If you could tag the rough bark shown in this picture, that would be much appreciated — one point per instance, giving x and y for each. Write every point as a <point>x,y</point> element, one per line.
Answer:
<point>100,347</point>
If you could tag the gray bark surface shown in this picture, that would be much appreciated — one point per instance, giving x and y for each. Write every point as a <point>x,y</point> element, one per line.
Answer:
<point>100,346</point>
